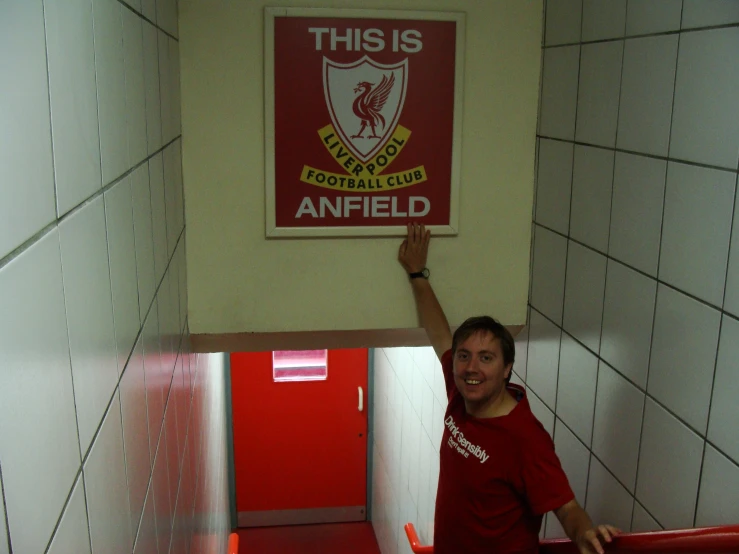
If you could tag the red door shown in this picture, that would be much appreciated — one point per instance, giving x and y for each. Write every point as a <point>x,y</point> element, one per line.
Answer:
<point>300,447</point>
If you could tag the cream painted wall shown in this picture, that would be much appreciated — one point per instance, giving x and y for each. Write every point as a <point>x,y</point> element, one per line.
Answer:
<point>241,282</point>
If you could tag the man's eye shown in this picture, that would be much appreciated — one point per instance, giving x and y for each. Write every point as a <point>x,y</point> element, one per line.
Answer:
<point>486,359</point>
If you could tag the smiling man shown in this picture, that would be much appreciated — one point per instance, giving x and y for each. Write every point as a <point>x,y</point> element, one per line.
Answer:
<point>498,472</point>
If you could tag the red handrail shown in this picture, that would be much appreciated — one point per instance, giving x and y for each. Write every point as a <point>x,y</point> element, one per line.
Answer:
<point>233,544</point>
<point>723,540</point>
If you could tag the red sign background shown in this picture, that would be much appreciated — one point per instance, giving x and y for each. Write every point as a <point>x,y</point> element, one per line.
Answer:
<point>300,111</point>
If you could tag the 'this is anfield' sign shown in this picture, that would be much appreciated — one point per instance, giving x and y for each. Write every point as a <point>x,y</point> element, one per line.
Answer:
<point>363,114</point>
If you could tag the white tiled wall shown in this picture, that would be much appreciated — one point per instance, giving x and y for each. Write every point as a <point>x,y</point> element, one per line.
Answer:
<point>112,434</point>
<point>635,257</point>
<point>409,404</point>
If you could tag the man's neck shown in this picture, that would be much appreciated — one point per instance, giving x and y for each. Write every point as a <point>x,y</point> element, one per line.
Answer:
<point>500,405</point>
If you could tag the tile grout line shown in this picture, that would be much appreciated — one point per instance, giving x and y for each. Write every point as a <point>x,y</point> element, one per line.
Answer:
<point>659,259</point>
<point>715,363</point>
<point>36,237</point>
<point>642,272</point>
<point>145,18</point>
<point>637,387</point>
<point>51,119</point>
<point>611,473</point>
<point>648,35</point>
<point>4,506</point>
<point>638,153</point>
<point>99,427</point>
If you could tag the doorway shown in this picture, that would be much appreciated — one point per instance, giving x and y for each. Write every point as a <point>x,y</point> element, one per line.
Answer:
<point>300,436</point>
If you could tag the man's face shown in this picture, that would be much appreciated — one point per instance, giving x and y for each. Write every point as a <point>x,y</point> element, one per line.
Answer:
<point>479,369</point>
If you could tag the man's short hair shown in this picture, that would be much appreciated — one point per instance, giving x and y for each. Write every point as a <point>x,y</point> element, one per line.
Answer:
<point>486,324</point>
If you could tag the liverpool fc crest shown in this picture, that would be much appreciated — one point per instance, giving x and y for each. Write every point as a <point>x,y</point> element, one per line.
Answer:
<point>365,99</point>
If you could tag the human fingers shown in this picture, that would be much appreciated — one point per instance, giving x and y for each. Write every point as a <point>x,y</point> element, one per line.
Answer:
<point>595,543</point>
<point>416,233</point>
<point>604,532</point>
<point>426,239</point>
<point>410,233</point>
<point>402,249</point>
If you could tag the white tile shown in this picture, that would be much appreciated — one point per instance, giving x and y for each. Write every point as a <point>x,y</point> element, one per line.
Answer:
<point>160,484</point>
<point>427,408</point>
<point>628,315</point>
<point>543,358</point>
<point>694,255</point>
<point>548,273</point>
<point>182,273</point>
<point>731,300</point>
<point>563,19</point>
<point>89,315</point>
<point>167,15</point>
<point>158,215</point>
<point>719,483</point>
<point>149,9</point>
<point>702,13</point>
<point>603,19</point>
<point>683,356</point>
<point>575,459</point>
<point>26,205</point>
<point>724,408</point>
<point>618,421</point>
<point>165,87</point>
<point>554,181</point>
<point>122,252</point>
<point>133,55</point>
<point>36,400</point>
<point>636,216</point>
<point>73,534</point>
<point>173,193</point>
<point>597,100</point>
<point>73,96</point>
<point>586,280</point>
<point>578,373</point>
<point>174,56</point>
<point>592,186</point>
<point>111,83</point>
<point>652,16</point>
<point>135,433</point>
<point>154,378</point>
<point>643,522</point>
<point>438,426</point>
<point>105,486</point>
<point>669,468</point>
<point>522,350</point>
<point>170,435</point>
<point>559,92</point>
<point>646,94</point>
<point>144,237</point>
<point>540,410</point>
<point>705,121</point>
<point>151,80</point>
<point>608,502</point>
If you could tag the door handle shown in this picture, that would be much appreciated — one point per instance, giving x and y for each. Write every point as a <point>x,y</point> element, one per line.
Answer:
<point>361,398</point>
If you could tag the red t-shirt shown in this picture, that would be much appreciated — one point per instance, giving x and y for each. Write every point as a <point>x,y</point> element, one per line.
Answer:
<point>497,478</point>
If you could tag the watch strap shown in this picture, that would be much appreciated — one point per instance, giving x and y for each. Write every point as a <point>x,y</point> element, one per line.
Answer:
<point>424,273</point>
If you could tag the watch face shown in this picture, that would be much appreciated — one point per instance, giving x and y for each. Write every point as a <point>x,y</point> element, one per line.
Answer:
<point>426,273</point>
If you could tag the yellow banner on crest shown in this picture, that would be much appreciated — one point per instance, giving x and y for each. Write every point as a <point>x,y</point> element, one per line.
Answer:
<point>343,156</point>
<point>349,183</point>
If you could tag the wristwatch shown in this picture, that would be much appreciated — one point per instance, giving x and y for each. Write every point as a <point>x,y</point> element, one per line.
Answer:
<point>423,273</point>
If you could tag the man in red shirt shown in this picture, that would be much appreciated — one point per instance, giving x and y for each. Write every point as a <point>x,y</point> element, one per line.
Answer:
<point>498,472</point>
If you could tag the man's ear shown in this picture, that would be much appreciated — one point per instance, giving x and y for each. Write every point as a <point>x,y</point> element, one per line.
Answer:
<point>508,370</point>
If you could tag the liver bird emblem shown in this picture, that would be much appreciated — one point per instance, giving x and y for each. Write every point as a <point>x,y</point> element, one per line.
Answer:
<point>368,105</point>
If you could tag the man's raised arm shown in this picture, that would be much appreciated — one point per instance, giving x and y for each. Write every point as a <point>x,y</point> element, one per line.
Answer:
<point>412,256</point>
